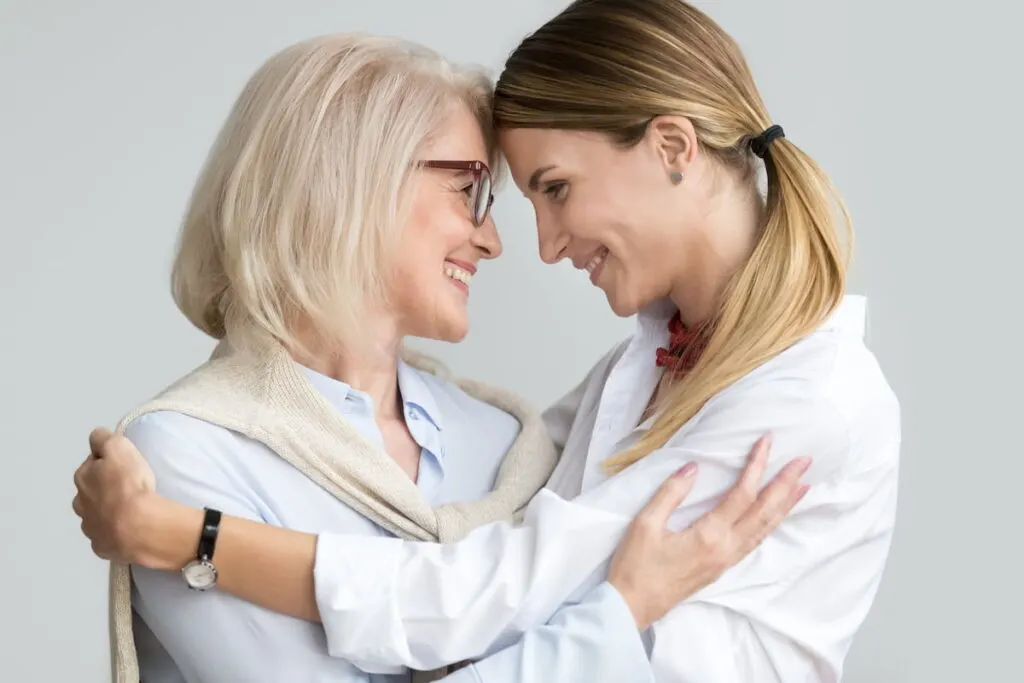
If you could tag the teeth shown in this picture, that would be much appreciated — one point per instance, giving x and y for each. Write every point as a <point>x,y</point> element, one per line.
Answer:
<point>596,261</point>
<point>457,273</point>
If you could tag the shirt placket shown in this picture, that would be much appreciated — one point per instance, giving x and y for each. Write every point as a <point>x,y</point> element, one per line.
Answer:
<point>625,395</point>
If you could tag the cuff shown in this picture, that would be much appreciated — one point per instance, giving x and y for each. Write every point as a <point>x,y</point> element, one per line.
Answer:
<point>355,580</point>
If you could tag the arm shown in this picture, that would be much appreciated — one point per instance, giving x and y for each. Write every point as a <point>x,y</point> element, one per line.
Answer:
<point>387,602</point>
<point>595,640</point>
<point>259,563</point>
<point>425,604</point>
<point>270,566</point>
<point>597,637</point>
<point>790,611</point>
<point>211,636</point>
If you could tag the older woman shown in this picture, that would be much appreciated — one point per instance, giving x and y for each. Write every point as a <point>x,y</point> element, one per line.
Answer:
<point>344,206</point>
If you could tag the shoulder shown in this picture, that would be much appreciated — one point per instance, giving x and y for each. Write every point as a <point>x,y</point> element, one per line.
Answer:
<point>201,464</point>
<point>178,445</point>
<point>165,429</point>
<point>171,428</point>
<point>825,397</point>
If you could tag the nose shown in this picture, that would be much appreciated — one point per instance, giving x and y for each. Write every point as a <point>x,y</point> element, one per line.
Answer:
<point>485,238</point>
<point>552,242</point>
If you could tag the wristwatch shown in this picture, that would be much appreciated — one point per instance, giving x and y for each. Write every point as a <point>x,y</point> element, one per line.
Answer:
<point>200,574</point>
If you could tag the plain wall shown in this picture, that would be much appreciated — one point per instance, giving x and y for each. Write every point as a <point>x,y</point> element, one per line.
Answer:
<point>107,111</point>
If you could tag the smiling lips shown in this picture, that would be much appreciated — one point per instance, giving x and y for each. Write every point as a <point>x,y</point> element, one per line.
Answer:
<point>460,272</point>
<point>593,266</point>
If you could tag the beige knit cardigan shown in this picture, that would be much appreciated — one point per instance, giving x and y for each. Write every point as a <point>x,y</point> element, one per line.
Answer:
<point>263,394</point>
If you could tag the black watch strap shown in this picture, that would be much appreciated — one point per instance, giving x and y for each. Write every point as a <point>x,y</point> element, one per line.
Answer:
<point>208,536</point>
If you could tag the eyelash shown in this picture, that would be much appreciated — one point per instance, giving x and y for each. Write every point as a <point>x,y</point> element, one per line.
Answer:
<point>554,191</point>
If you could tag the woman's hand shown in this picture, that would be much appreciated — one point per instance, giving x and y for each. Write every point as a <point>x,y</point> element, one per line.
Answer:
<point>116,497</point>
<point>655,569</point>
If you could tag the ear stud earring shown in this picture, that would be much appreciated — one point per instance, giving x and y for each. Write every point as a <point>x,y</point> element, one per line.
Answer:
<point>676,177</point>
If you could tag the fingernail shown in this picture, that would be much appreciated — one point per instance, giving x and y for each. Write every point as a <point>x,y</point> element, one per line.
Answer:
<point>686,470</point>
<point>802,464</point>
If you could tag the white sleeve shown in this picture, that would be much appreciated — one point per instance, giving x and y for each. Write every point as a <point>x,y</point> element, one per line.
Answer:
<point>385,601</point>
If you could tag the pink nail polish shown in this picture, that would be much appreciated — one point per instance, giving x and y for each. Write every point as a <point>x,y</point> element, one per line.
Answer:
<point>686,470</point>
<point>802,464</point>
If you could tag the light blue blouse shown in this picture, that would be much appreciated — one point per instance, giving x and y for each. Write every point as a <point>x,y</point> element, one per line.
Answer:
<point>212,637</point>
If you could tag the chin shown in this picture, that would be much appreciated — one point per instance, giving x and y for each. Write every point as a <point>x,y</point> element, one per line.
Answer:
<point>450,331</point>
<point>453,330</point>
<point>454,337</point>
<point>621,306</point>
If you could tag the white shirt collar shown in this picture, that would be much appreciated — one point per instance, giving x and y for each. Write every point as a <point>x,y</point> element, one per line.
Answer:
<point>850,316</point>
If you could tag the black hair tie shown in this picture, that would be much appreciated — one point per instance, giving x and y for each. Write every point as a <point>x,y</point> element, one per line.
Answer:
<point>759,145</point>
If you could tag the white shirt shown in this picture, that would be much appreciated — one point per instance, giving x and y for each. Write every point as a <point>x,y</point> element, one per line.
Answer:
<point>211,637</point>
<point>787,612</point>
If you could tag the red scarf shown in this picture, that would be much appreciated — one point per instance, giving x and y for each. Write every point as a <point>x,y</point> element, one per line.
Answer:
<point>685,346</point>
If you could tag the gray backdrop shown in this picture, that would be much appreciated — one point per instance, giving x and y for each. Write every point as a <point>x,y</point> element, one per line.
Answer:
<point>107,110</point>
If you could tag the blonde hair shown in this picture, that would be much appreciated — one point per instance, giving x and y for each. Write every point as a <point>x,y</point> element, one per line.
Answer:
<point>613,65</point>
<point>305,191</point>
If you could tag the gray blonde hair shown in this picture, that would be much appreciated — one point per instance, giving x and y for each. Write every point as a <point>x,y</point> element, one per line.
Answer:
<point>306,189</point>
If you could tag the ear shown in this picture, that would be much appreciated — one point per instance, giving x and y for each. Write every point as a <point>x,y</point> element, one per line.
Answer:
<point>674,140</point>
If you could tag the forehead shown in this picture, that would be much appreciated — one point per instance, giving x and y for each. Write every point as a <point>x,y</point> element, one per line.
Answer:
<point>459,138</point>
<point>529,149</point>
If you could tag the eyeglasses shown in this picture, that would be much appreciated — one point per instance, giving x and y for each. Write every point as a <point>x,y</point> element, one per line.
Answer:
<point>480,195</point>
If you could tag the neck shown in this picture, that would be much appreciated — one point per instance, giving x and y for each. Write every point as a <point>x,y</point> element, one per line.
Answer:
<point>371,368</point>
<point>724,244</point>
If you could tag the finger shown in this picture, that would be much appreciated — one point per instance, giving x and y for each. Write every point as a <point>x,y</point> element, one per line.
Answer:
<point>773,504</point>
<point>669,496</point>
<point>787,506</point>
<point>98,437</point>
<point>744,492</point>
<point>81,472</point>
<point>83,469</point>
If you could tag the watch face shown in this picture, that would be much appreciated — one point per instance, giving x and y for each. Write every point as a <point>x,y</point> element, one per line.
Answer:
<point>200,575</point>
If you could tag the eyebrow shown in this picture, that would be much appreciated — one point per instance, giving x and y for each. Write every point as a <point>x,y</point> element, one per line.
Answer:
<point>535,178</point>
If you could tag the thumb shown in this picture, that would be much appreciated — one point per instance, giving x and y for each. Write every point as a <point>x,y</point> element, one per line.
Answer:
<point>669,496</point>
<point>97,438</point>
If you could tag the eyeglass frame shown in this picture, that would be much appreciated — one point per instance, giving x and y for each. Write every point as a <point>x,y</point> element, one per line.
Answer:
<point>478,169</point>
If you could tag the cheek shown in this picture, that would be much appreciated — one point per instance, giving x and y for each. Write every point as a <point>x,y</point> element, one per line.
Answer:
<point>421,294</point>
<point>585,217</point>
<point>435,232</point>
<point>419,262</point>
<point>641,262</point>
